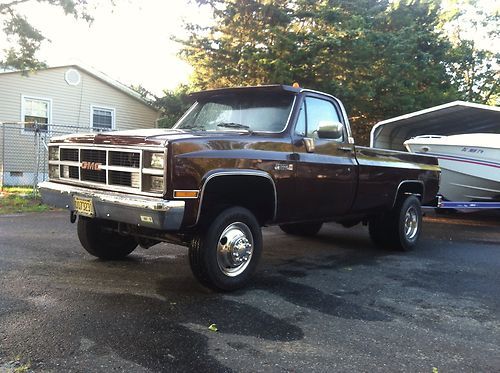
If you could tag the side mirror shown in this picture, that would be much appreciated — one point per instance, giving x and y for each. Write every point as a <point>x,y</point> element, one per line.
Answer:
<point>330,130</point>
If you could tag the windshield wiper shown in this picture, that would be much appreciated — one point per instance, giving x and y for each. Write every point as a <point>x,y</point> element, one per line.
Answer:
<point>193,127</point>
<point>234,125</point>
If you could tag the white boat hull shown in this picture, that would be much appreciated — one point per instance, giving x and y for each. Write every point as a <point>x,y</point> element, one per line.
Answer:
<point>469,171</point>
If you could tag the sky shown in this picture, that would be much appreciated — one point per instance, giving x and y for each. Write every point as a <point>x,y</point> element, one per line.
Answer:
<point>131,41</point>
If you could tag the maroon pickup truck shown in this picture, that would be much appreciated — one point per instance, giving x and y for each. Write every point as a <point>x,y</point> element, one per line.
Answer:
<point>239,159</point>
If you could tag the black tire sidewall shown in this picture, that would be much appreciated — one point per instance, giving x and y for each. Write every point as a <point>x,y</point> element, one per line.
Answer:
<point>405,243</point>
<point>378,231</point>
<point>104,245</point>
<point>212,234</point>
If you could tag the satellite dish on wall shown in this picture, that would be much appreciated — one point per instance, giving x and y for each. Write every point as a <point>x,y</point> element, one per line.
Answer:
<point>72,77</point>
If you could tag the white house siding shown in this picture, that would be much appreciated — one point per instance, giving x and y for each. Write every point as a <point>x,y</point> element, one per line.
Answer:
<point>70,108</point>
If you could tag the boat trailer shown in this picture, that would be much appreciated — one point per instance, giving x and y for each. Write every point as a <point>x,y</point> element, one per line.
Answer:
<point>441,204</point>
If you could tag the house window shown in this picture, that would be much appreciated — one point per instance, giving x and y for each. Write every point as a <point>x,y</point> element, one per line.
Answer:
<point>36,112</point>
<point>103,118</point>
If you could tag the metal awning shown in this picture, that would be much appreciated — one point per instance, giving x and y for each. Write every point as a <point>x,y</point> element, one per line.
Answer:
<point>449,119</point>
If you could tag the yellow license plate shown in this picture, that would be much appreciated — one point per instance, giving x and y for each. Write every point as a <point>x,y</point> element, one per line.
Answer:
<point>83,206</point>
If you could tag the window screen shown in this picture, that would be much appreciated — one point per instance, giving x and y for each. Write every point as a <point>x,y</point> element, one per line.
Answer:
<point>102,119</point>
<point>36,111</point>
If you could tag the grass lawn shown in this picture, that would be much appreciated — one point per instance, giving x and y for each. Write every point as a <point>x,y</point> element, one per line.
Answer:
<point>15,200</point>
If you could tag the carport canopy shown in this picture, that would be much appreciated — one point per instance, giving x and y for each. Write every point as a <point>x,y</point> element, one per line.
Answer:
<point>453,118</point>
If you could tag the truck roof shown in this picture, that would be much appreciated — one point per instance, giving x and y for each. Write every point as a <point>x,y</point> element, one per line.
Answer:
<point>273,88</point>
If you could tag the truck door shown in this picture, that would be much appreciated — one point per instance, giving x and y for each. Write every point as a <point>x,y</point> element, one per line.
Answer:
<point>325,168</point>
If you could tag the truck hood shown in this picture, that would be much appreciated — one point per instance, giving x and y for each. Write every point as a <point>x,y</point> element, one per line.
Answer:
<point>142,137</point>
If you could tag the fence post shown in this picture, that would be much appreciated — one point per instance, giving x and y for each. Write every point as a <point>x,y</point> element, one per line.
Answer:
<point>36,148</point>
<point>2,165</point>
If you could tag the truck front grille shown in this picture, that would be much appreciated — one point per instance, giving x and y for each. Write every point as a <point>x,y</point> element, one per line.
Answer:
<point>92,155</point>
<point>124,159</point>
<point>120,169</point>
<point>97,176</point>
<point>69,155</point>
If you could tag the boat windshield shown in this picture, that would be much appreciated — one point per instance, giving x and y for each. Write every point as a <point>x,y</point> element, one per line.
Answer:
<point>241,112</point>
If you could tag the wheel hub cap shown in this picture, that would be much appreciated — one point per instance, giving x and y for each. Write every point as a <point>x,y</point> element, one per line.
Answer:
<point>234,249</point>
<point>411,223</point>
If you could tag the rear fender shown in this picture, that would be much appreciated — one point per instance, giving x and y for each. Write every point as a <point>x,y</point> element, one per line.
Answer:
<point>409,187</point>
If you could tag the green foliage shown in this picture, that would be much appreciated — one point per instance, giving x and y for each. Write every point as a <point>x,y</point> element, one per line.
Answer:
<point>474,69</point>
<point>145,93</point>
<point>476,73</point>
<point>382,58</point>
<point>173,105</point>
<point>24,38</point>
<point>18,200</point>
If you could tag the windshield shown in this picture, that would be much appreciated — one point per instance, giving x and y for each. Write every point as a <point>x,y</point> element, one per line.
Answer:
<point>263,112</point>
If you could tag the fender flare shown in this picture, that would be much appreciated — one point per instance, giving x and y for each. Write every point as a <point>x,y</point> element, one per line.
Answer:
<point>402,183</point>
<point>225,173</point>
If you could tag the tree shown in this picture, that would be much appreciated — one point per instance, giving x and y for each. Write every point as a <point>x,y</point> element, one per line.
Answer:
<point>383,58</point>
<point>173,105</point>
<point>248,44</point>
<point>475,68</point>
<point>24,38</point>
<point>476,73</point>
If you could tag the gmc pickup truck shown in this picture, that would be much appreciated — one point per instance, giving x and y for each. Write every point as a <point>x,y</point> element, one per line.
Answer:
<point>239,159</point>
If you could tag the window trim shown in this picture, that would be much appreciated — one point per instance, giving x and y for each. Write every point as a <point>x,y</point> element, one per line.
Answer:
<point>23,107</point>
<point>289,121</point>
<point>337,108</point>
<point>102,107</point>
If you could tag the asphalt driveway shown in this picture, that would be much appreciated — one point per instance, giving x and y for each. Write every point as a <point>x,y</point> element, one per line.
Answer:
<point>328,303</point>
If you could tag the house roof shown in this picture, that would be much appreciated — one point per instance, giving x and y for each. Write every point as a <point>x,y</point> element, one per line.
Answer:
<point>100,76</point>
<point>457,117</point>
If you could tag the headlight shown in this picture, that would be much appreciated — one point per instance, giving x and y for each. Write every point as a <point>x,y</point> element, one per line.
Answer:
<point>152,183</point>
<point>155,160</point>
<point>53,171</point>
<point>65,172</point>
<point>53,153</point>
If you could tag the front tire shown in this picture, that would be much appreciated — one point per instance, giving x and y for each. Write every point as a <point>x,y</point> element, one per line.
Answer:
<point>400,228</point>
<point>225,253</point>
<point>96,237</point>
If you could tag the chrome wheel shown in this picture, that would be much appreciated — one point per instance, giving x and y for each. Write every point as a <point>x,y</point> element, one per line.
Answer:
<point>411,222</point>
<point>235,249</point>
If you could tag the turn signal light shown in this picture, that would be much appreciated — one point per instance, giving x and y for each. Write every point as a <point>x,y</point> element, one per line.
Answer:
<point>185,194</point>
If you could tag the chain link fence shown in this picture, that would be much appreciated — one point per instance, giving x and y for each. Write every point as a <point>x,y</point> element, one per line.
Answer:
<point>23,151</point>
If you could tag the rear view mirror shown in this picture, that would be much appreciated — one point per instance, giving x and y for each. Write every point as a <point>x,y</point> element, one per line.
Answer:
<point>330,130</point>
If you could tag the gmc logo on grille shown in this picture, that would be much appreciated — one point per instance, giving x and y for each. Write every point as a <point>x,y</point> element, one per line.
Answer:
<point>91,166</point>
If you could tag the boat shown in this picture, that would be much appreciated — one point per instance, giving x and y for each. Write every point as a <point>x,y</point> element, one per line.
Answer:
<point>470,164</point>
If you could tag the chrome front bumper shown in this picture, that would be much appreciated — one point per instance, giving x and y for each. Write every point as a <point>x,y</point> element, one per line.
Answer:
<point>138,210</point>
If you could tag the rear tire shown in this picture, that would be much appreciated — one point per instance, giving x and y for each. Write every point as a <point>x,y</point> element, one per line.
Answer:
<point>101,242</point>
<point>225,253</point>
<point>301,229</point>
<point>400,228</point>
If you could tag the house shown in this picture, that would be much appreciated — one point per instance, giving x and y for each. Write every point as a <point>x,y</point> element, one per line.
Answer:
<point>66,99</point>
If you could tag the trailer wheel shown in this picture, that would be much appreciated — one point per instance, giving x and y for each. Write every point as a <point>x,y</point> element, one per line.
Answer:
<point>400,228</point>
<point>97,238</point>
<point>301,229</point>
<point>225,253</point>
